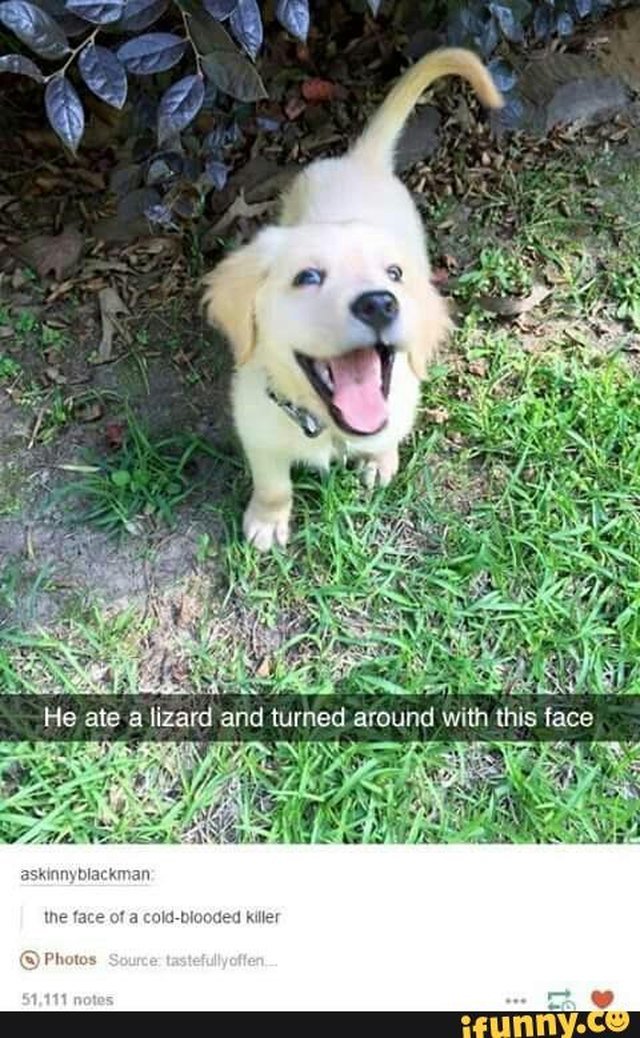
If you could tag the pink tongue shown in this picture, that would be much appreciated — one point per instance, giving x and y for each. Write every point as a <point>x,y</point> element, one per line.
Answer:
<point>357,392</point>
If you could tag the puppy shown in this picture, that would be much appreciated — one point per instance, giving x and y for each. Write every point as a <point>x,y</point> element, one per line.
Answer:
<point>331,315</point>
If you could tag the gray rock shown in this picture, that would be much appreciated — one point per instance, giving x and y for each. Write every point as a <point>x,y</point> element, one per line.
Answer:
<point>586,101</point>
<point>420,138</point>
<point>564,89</point>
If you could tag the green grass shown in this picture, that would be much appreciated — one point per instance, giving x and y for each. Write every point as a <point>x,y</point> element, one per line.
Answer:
<point>9,369</point>
<point>53,409</point>
<point>497,272</point>
<point>503,558</point>
<point>572,221</point>
<point>140,479</point>
<point>13,492</point>
<point>625,290</point>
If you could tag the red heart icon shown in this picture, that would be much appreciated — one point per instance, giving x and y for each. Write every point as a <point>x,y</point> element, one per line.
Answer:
<point>602,999</point>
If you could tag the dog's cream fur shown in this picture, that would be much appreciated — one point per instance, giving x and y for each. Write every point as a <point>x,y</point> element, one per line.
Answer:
<point>353,218</point>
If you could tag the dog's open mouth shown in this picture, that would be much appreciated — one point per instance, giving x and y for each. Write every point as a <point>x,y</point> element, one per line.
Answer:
<point>354,386</point>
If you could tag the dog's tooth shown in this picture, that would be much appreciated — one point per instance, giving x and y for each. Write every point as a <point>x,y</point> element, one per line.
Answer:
<point>324,372</point>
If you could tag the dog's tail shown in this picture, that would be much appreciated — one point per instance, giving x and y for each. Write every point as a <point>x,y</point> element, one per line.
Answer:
<point>377,144</point>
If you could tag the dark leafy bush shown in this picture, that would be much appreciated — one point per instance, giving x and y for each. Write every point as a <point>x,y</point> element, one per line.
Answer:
<point>208,46</point>
<point>201,50</point>
<point>66,32</point>
<point>486,25</point>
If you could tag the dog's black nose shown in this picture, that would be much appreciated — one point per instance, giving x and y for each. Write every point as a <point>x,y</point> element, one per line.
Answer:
<point>377,309</point>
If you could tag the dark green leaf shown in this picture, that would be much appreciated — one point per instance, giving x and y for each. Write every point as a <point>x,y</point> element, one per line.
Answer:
<point>541,22</point>
<point>99,13</point>
<point>206,32</point>
<point>246,26</point>
<point>179,106</point>
<point>153,52</point>
<point>35,28</point>
<point>220,9</point>
<point>234,74</point>
<point>508,22</point>
<point>140,14</point>
<point>488,39</point>
<point>70,24</point>
<point>104,75</point>
<point>223,135</point>
<point>584,7</point>
<point>294,16</point>
<point>64,111</point>
<point>216,172</point>
<point>21,66</point>
<point>564,24</point>
<point>164,167</point>
<point>160,214</point>
<point>503,75</point>
<point>512,114</point>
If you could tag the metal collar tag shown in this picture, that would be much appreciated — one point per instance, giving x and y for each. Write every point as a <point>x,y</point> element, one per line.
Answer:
<point>307,422</point>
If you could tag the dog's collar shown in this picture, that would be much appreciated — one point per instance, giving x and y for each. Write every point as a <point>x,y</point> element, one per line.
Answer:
<point>305,420</point>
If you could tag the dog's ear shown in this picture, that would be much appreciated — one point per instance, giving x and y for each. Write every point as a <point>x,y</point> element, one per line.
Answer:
<point>231,288</point>
<point>434,327</point>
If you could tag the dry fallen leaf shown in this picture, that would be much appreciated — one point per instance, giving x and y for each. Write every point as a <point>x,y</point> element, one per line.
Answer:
<point>114,433</point>
<point>317,90</point>
<point>294,108</point>
<point>478,368</point>
<point>55,254</point>
<point>238,209</point>
<point>437,415</point>
<point>110,306</point>
<point>263,670</point>
<point>89,412</point>
<point>513,306</point>
<point>53,374</point>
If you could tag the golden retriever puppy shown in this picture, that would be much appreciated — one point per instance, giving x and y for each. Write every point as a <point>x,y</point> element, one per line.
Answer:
<point>331,315</point>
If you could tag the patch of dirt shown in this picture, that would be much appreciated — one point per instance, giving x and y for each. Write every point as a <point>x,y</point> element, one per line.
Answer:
<point>174,379</point>
<point>219,823</point>
<point>234,630</point>
<point>59,567</point>
<point>459,487</point>
<point>90,334</point>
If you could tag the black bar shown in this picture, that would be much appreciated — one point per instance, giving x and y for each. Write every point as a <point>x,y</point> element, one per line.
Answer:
<point>272,718</point>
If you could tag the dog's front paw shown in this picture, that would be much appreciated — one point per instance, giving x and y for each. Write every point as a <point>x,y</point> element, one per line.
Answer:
<point>380,468</point>
<point>264,532</point>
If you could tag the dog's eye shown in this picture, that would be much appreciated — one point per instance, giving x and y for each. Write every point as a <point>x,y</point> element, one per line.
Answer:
<point>395,273</point>
<point>310,276</point>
